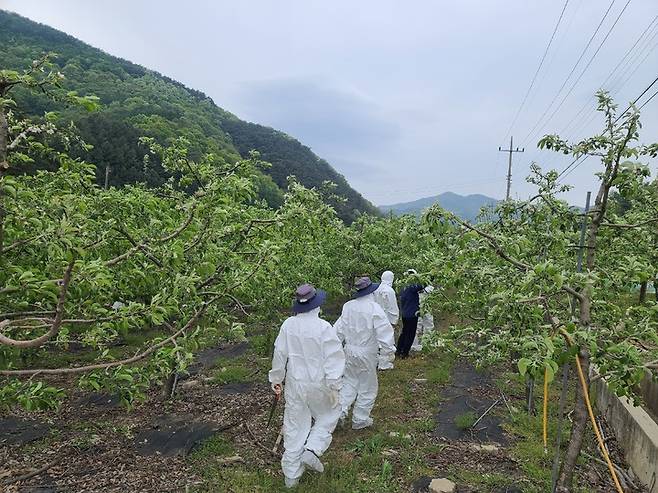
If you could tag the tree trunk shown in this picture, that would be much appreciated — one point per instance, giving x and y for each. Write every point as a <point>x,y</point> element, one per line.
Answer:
<point>580,417</point>
<point>530,395</point>
<point>168,387</point>
<point>643,291</point>
<point>4,165</point>
<point>565,480</point>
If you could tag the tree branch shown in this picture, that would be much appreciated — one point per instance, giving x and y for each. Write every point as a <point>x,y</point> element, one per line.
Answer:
<point>629,226</point>
<point>102,366</point>
<point>502,254</point>
<point>494,244</point>
<point>19,243</point>
<point>180,229</point>
<point>56,325</point>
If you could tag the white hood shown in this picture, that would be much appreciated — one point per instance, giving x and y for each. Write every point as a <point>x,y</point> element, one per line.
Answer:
<point>387,278</point>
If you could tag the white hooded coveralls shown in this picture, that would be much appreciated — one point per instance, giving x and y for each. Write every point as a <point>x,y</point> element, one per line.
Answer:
<point>386,298</point>
<point>365,330</point>
<point>425,321</point>
<point>310,357</point>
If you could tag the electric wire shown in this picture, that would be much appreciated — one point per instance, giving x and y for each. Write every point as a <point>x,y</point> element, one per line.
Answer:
<point>541,63</point>
<point>566,81</point>
<point>580,160</point>
<point>623,75</point>
<point>583,108</point>
<point>589,63</point>
<point>648,100</point>
<point>589,116</point>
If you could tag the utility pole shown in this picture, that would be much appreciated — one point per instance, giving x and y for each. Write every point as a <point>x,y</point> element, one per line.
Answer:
<point>509,168</point>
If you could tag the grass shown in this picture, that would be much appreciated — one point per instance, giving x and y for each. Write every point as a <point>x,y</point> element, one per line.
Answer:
<point>397,450</point>
<point>385,458</point>
<point>232,374</point>
<point>465,421</point>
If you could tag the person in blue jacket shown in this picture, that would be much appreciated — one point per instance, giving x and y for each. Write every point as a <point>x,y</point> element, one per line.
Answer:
<point>409,309</point>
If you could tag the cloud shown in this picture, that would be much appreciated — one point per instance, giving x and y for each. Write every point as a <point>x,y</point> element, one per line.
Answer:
<point>339,125</point>
<point>404,99</point>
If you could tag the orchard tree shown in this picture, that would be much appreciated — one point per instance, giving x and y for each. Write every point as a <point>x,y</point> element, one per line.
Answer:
<point>87,266</point>
<point>515,279</point>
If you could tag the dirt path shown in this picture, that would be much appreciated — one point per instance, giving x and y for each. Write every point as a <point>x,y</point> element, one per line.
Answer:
<point>212,437</point>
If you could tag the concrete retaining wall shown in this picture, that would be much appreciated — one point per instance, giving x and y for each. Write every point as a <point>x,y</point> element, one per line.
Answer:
<point>636,432</point>
<point>649,391</point>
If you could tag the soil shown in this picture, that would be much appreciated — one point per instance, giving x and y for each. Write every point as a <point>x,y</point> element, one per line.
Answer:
<point>173,435</point>
<point>210,357</point>
<point>104,447</point>
<point>471,392</point>
<point>17,431</point>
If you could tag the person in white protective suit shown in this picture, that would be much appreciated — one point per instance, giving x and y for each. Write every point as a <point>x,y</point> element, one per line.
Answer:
<point>386,298</point>
<point>366,332</point>
<point>309,357</point>
<point>425,321</point>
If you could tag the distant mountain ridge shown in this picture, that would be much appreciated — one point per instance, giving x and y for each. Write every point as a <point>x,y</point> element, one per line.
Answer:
<point>465,206</point>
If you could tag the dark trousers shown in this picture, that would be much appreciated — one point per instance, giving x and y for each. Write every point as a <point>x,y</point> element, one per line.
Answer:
<point>406,339</point>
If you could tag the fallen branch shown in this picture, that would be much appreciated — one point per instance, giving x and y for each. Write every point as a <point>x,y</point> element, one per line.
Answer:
<point>32,474</point>
<point>258,443</point>
<point>486,412</point>
<point>279,437</point>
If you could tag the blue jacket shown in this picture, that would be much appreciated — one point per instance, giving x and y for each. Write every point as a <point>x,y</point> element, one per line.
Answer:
<point>409,301</point>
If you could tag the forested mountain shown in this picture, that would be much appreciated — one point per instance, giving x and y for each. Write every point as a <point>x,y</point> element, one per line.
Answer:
<point>139,102</point>
<point>467,207</point>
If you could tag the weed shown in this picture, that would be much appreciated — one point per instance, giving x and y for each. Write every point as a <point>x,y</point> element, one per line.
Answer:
<point>216,446</point>
<point>466,420</point>
<point>231,374</point>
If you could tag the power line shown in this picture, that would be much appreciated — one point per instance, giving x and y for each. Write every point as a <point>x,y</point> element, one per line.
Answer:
<point>648,88</point>
<point>648,53</point>
<point>646,44</point>
<point>592,113</point>
<point>647,101</point>
<point>584,107</point>
<point>589,63</point>
<point>541,63</point>
<point>574,164</point>
<point>573,69</point>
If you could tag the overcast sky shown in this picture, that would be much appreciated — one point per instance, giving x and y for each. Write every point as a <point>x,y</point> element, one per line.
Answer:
<point>406,99</point>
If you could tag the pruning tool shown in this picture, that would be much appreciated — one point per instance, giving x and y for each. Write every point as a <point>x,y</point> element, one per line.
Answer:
<point>275,401</point>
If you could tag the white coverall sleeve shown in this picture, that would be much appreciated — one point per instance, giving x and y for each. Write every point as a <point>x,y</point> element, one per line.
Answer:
<point>339,327</point>
<point>334,359</point>
<point>392,308</point>
<point>385,337</point>
<point>279,359</point>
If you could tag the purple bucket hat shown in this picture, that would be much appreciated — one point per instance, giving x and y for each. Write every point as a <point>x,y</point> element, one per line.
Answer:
<point>307,298</point>
<point>364,286</point>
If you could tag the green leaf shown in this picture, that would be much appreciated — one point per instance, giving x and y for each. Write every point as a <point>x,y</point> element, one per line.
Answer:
<point>523,365</point>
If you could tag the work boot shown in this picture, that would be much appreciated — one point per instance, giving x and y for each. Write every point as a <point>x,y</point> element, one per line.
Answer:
<point>310,460</point>
<point>359,425</point>
<point>290,482</point>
